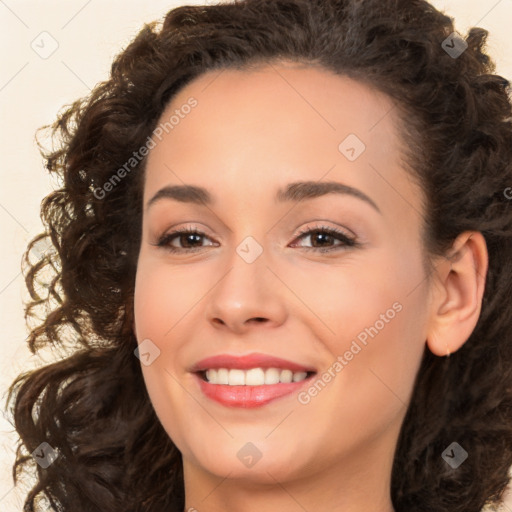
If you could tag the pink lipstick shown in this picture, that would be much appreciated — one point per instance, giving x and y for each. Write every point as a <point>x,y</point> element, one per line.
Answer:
<point>251,380</point>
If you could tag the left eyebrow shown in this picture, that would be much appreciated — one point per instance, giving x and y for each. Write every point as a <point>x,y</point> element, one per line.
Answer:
<point>301,190</point>
<point>297,191</point>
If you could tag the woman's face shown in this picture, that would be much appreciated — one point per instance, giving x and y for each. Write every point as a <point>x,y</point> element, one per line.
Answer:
<point>350,305</point>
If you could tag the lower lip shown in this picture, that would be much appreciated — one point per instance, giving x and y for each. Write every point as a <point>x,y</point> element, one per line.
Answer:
<point>248,396</point>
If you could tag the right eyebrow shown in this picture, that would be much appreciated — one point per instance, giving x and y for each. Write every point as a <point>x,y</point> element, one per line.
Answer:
<point>182,193</point>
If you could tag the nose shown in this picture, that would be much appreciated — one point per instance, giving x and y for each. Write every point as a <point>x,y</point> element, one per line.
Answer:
<point>247,296</point>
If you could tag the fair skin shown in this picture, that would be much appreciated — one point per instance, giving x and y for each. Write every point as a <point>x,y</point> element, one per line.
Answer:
<point>252,133</point>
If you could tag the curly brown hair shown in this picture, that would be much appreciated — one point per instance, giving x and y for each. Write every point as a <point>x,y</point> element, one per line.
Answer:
<point>92,406</point>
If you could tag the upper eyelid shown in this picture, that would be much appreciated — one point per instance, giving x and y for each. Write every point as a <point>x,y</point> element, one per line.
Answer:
<point>321,227</point>
<point>321,224</point>
<point>304,232</point>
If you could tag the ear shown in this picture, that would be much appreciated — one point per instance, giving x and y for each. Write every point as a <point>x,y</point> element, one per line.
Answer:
<point>458,288</point>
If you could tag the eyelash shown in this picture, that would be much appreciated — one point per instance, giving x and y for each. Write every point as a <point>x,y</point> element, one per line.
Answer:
<point>165,240</point>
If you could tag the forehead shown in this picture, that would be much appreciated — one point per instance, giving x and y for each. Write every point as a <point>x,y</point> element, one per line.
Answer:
<point>256,130</point>
<point>307,100</point>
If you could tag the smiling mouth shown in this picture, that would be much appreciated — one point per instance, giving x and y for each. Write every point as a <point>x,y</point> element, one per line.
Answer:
<point>253,376</point>
<point>252,388</point>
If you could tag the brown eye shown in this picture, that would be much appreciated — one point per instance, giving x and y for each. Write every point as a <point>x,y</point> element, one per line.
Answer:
<point>325,237</point>
<point>188,240</point>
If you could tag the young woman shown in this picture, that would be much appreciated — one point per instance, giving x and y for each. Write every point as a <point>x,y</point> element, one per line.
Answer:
<point>280,261</point>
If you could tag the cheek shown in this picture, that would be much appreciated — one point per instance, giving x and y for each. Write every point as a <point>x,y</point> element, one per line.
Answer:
<point>378,338</point>
<point>379,363</point>
<point>163,296</point>
<point>160,301</point>
<point>362,290</point>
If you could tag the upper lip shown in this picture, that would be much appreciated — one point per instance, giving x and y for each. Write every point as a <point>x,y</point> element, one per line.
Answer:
<point>245,362</point>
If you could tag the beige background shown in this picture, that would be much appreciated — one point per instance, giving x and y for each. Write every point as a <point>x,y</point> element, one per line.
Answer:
<point>32,89</point>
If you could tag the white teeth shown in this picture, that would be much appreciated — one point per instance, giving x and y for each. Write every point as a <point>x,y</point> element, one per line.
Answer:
<point>222,376</point>
<point>286,376</point>
<point>253,377</point>
<point>236,378</point>
<point>272,376</point>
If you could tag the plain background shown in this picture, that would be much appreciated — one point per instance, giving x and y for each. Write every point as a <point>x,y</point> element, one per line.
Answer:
<point>87,34</point>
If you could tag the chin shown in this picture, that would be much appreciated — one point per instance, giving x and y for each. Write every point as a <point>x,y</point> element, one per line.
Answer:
<point>245,461</point>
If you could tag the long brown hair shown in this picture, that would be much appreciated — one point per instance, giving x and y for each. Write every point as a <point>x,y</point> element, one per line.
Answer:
<point>92,407</point>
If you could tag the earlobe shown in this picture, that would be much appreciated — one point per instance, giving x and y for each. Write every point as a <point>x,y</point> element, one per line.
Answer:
<point>460,280</point>
<point>435,344</point>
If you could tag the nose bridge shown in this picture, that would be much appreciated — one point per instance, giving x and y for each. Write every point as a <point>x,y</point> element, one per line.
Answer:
<point>247,290</point>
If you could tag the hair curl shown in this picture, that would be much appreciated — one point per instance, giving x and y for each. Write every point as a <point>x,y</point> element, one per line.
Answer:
<point>92,405</point>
